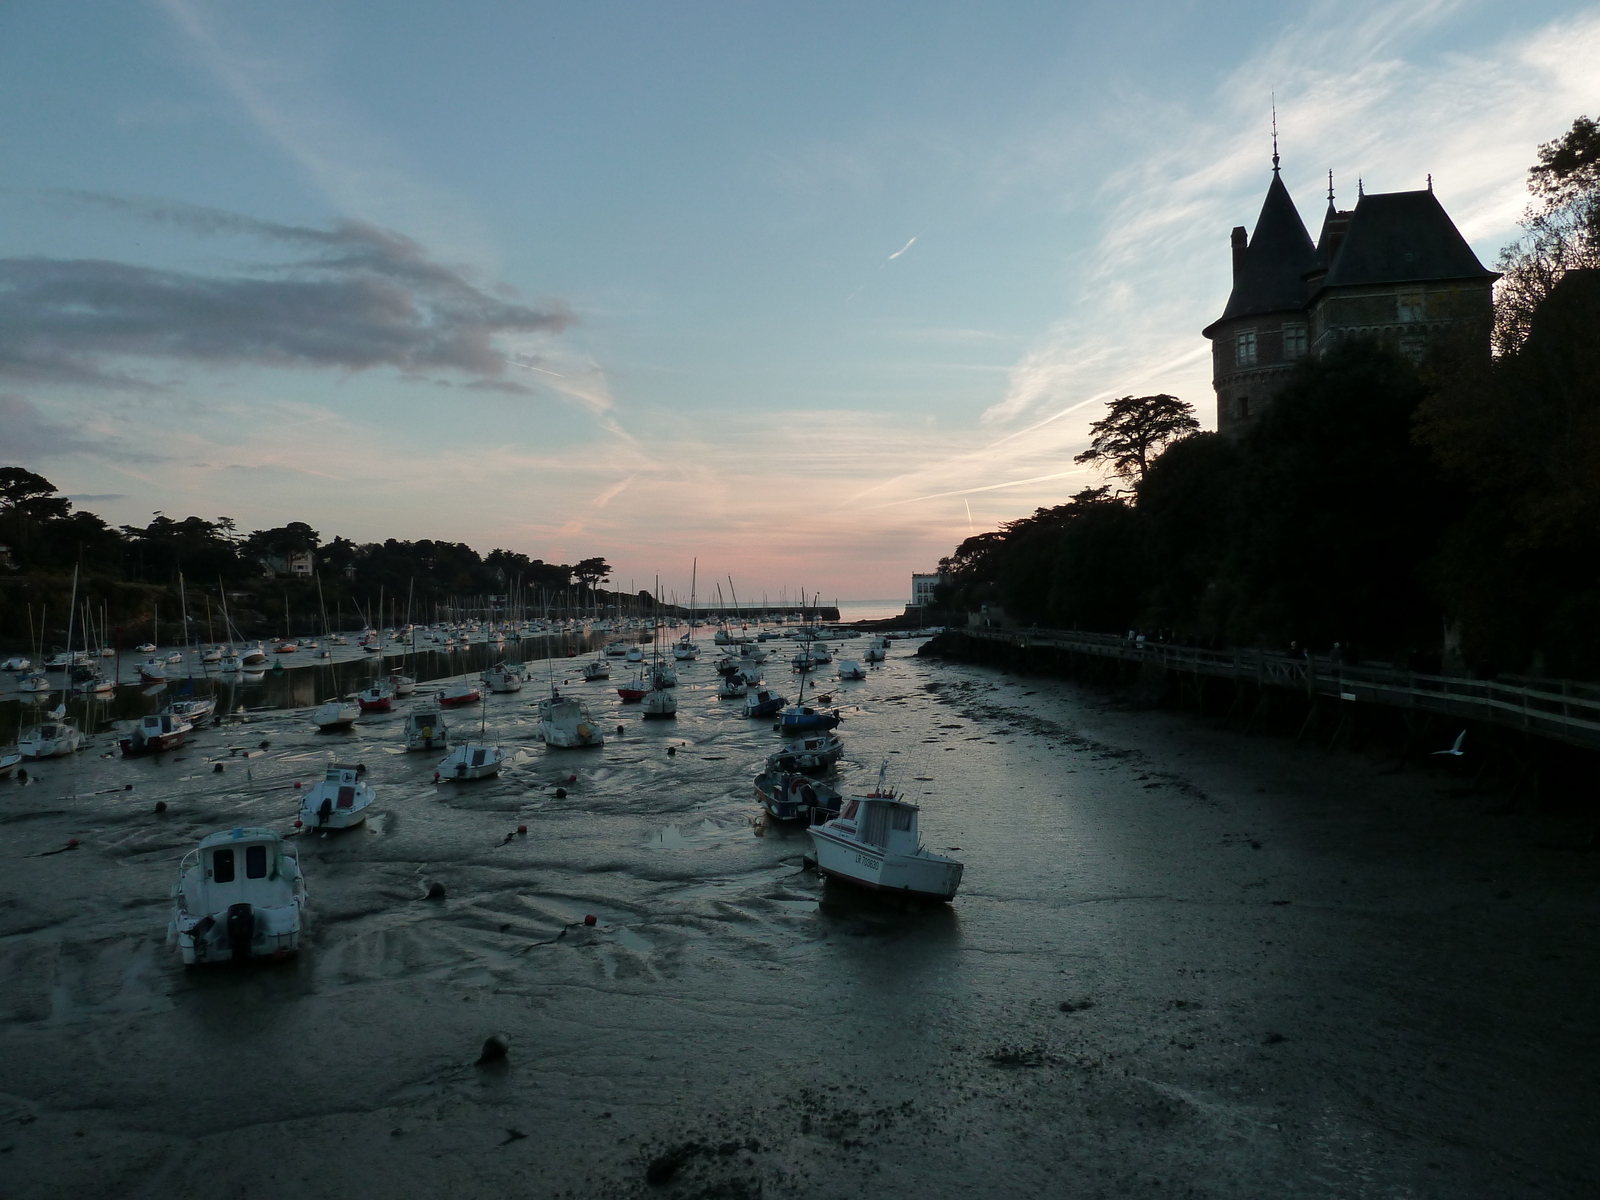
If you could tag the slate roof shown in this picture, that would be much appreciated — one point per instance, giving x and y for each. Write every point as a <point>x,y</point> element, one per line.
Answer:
<point>1402,237</point>
<point>1280,253</point>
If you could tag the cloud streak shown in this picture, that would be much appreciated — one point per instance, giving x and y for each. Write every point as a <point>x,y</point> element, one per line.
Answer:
<point>356,298</point>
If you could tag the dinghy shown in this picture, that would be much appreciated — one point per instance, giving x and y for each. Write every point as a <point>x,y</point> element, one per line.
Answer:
<point>239,895</point>
<point>873,843</point>
<point>339,801</point>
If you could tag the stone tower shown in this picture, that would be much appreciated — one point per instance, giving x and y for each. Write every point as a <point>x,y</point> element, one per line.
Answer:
<point>1393,268</point>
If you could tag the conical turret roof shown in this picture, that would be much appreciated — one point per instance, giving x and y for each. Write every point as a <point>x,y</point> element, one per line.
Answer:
<point>1271,277</point>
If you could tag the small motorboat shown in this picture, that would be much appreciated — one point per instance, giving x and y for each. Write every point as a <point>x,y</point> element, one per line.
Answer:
<point>820,654</point>
<point>378,698</point>
<point>685,649</point>
<point>334,715</point>
<point>458,694</point>
<point>194,710</point>
<point>635,654</point>
<point>340,801</point>
<point>503,677</point>
<point>175,659</point>
<point>808,755</point>
<point>471,761</point>
<point>877,650</point>
<point>635,690</point>
<point>285,648</point>
<point>597,669</point>
<point>155,733</point>
<point>752,654</point>
<point>849,668</point>
<point>732,687</point>
<point>804,718</point>
<point>617,650</point>
<point>33,681</point>
<point>153,670</point>
<point>763,703</point>
<point>239,895</point>
<point>789,796</point>
<point>254,656</point>
<point>873,843</point>
<point>402,685</point>
<point>665,675</point>
<point>145,648</point>
<point>50,739</point>
<point>211,654</point>
<point>89,680</point>
<point>16,663</point>
<point>231,663</point>
<point>426,730</point>
<point>565,723</point>
<point>728,664</point>
<point>8,763</point>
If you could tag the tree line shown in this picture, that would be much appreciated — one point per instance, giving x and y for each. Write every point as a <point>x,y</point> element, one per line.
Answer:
<point>1442,514</point>
<point>126,572</point>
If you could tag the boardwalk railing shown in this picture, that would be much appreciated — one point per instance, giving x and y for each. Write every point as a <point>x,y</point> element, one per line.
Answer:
<point>1561,709</point>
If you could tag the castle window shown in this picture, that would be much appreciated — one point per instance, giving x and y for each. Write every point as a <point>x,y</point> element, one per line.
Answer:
<point>1411,307</point>
<point>1245,348</point>
<point>1294,341</point>
<point>1244,408</point>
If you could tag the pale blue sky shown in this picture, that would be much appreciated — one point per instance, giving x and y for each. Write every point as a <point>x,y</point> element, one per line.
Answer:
<point>695,211</point>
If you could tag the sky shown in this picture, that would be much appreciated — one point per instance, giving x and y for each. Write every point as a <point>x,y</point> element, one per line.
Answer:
<point>807,293</point>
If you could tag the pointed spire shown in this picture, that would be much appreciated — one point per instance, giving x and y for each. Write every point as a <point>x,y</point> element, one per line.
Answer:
<point>1332,208</point>
<point>1274,133</point>
<point>1430,183</point>
<point>1361,187</point>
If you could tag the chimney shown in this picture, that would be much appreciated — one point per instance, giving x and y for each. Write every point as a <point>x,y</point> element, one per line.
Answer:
<point>1240,243</point>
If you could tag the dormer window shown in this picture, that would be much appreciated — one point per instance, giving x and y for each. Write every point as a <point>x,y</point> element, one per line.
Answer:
<point>1294,341</point>
<point>1245,348</point>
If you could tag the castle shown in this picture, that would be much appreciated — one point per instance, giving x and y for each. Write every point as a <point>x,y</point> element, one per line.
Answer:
<point>1394,267</point>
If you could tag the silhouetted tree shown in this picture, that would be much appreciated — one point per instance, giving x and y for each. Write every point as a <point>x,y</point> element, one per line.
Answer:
<point>1134,430</point>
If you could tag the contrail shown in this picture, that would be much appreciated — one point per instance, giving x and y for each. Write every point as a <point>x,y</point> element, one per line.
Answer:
<point>902,249</point>
<point>988,488</point>
<point>516,363</point>
<point>969,514</point>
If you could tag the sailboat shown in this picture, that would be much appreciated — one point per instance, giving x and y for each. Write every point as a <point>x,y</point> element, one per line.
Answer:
<point>57,736</point>
<point>686,649</point>
<point>474,760</point>
<point>660,701</point>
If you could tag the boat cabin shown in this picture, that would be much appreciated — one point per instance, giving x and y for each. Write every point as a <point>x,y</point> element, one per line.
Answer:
<point>883,821</point>
<point>234,866</point>
<point>345,778</point>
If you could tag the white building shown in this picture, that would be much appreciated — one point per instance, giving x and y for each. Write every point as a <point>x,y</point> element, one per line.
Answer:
<point>922,589</point>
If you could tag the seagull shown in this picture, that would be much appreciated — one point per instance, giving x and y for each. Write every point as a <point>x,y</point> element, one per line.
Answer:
<point>1455,751</point>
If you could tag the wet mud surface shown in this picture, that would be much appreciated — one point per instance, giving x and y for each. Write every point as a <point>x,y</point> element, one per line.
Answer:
<point>1183,962</point>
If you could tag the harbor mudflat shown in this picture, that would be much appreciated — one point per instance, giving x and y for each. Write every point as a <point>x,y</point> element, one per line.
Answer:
<point>1181,962</point>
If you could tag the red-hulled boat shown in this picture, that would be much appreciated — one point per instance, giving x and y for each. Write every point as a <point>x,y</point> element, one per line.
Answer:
<point>635,690</point>
<point>376,699</point>
<point>458,694</point>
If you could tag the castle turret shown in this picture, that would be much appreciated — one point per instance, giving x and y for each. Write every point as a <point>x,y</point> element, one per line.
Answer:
<point>1262,332</point>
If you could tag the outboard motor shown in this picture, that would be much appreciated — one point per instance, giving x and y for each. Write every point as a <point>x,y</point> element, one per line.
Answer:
<point>325,810</point>
<point>241,930</point>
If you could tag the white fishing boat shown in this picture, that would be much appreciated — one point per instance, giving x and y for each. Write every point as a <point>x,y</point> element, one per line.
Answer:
<point>472,761</point>
<point>155,733</point>
<point>565,722</point>
<point>595,669</point>
<point>874,843</point>
<point>877,650</point>
<point>211,654</point>
<point>426,729</point>
<point>153,670</point>
<point>727,664</point>
<point>732,687</point>
<point>239,895</point>
<point>820,653</point>
<point>402,685</point>
<point>849,668</point>
<point>145,648</point>
<point>339,801</point>
<point>665,675</point>
<point>50,739</point>
<point>763,703</point>
<point>660,702</point>
<point>617,650</point>
<point>336,714</point>
<point>752,654</point>
<point>175,659</point>
<point>503,677</point>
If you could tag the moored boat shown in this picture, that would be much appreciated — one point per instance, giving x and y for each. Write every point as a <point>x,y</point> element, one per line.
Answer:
<point>426,729</point>
<point>458,694</point>
<point>595,669</point>
<point>336,714</point>
<point>194,710</point>
<point>378,698</point>
<point>763,703</point>
<point>873,843</point>
<point>240,894</point>
<point>340,801</point>
<point>503,677</point>
<point>154,733</point>
<point>50,739</point>
<point>789,796</point>
<point>472,761</point>
<point>810,754</point>
<point>564,722</point>
<point>849,668</point>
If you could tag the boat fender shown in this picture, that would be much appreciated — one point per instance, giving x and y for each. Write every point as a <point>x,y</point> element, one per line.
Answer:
<point>361,769</point>
<point>561,793</point>
<point>241,930</point>
<point>584,731</point>
<point>161,806</point>
<point>217,769</point>
<point>461,769</point>
<point>672,751</point>
<point>325,810</point>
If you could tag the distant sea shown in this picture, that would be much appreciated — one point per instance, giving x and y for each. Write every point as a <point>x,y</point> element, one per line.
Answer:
<point>868,610</point>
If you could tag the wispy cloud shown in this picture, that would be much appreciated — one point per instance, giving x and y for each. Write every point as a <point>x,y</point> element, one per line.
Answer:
<point>903,249</point>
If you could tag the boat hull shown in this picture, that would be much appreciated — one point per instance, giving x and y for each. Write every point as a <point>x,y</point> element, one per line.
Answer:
<point>924,877</point>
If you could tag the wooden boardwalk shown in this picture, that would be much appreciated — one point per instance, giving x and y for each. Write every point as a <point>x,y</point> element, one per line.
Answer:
<point>1563,710</point>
